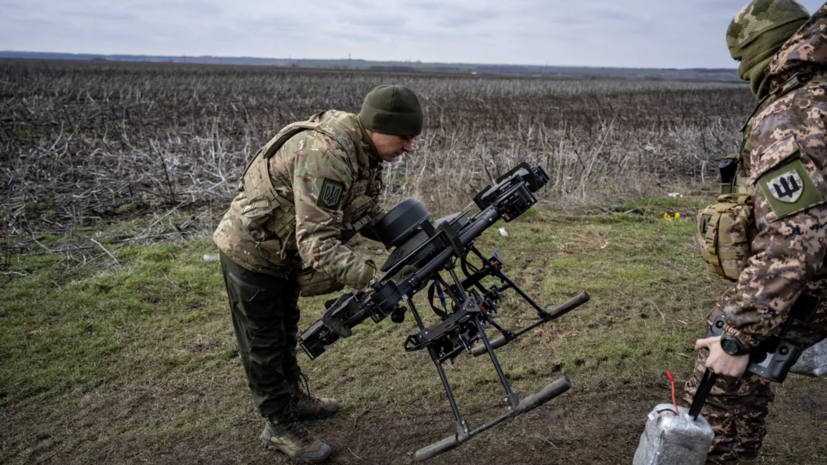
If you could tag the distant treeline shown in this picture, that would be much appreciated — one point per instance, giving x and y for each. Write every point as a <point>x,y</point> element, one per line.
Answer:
<point>704,74</point>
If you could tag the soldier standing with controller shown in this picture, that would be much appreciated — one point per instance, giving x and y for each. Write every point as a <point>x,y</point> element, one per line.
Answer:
<point>769,230</point>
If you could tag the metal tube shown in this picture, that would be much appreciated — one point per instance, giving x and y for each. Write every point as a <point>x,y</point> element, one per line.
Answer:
<point>445,384</point>
<point>528,299</point>
<point>416,315</point>
<point>529,403</point>
<point>431,451</point>
<point>462,295</point>
<point>570,305</point>
<point>494,359</point>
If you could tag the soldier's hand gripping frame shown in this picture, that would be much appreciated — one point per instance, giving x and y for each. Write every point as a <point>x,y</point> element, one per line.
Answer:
<point>773,358</point>
<point>434,248</point>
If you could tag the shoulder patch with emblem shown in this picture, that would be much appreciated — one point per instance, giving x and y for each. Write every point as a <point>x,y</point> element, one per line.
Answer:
<point>789,189</point>
<point>330,195</point>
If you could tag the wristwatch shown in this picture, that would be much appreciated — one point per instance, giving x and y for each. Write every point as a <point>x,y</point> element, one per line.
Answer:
<point>733,346</point>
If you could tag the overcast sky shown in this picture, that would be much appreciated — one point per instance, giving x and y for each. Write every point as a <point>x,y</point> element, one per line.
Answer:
<point>624,33</point>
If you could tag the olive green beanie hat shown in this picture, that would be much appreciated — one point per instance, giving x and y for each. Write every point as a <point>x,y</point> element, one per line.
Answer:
<point>392,110</point>
<point>758,32</point>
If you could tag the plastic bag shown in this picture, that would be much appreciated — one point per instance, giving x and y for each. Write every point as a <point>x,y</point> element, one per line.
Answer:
<point>675,435</point>
<point>813,361</point>
<point>671,439</point>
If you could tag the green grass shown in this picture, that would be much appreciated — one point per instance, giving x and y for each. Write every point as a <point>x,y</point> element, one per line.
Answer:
<point>137,362</point>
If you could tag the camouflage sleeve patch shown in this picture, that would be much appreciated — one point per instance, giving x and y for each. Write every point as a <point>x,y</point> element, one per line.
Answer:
<point>788,179</point>
<point>330,194</point>
<point>789,189</point>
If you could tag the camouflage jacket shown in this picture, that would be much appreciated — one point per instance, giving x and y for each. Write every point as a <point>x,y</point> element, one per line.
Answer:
<point>297,199</point>
<point>787,166</point>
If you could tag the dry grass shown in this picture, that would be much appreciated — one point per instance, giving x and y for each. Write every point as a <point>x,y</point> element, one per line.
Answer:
<point>137,362</point>
<point>81,142</point>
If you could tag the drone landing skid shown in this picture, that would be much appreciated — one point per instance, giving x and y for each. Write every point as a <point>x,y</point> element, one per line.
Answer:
<point>464,327</point>
<point>463,434</point>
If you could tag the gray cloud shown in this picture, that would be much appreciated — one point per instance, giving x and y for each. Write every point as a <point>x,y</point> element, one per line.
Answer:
<point>632,33</point>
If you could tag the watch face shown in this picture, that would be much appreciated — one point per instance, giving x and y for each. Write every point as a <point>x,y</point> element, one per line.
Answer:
<point>730,346</point>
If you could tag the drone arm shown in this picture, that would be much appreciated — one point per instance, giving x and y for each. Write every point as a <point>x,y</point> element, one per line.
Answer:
<point>570,305</point>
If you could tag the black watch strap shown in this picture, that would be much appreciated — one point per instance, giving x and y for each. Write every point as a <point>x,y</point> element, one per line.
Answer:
<point>733,346</point>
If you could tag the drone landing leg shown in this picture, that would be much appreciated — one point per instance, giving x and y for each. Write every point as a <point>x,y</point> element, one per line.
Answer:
<point>543,313</point>
<point>435,357</point>
<point>510,284</point>
<point>416,315</point>
<point>462,425</point>
<point>570,305</point>
<point>511,398</point>
<point>527,404</point>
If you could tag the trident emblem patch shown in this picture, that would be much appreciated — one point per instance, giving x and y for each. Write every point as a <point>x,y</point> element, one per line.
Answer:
<point>330,195</point>
<point>786,187</point>
<point>790,189</point>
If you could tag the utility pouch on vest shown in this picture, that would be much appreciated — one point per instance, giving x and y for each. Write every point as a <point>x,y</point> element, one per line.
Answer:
<point>725,232</point>
<point>357,216</point>
<point>312,283</point>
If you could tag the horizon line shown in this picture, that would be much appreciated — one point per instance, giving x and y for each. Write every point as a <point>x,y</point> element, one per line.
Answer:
<point>349,59</point>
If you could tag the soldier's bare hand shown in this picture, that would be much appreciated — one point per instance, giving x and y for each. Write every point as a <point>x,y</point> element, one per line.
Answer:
<point>720,362</point>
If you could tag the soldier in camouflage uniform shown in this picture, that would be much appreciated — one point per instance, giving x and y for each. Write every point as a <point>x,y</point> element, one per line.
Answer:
<point>783,52</point>
<point>314,183</point>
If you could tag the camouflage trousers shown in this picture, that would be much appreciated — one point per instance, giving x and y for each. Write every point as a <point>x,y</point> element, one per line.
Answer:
<point>737,408</point>
<point>266,319</point>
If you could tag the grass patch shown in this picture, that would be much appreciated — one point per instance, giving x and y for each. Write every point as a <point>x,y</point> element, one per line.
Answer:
<point>139,362</point>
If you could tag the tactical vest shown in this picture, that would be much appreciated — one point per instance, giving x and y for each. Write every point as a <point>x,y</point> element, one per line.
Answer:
<point>734,178</point>
<point>266,223</point>
<point>727,228</point>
